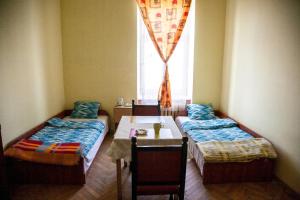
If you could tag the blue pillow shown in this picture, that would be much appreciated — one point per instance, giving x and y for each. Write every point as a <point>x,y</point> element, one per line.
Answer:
<point>200,111</point>
<point>85,109</point>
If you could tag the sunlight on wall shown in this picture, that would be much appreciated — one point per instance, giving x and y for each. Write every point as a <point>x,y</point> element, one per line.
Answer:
<point>261,76</point>
<point>31,74</point>
<point>99,50</point>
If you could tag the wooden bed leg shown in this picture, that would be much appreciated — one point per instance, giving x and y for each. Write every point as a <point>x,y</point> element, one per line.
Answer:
<point>119,179</point>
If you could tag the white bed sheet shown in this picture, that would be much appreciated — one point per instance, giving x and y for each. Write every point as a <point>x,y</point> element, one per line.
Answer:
<point>93,151</point>
<point>193,148</point>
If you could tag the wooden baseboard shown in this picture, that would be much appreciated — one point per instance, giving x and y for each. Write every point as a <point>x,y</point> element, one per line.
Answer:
<point>292,193</point>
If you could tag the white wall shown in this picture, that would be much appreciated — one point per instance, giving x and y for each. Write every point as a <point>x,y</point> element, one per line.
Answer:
<point>261,76</point>
<point>31,72</point>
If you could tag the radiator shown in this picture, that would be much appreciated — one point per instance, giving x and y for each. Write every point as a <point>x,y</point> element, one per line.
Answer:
<point>174,111</point>
<point>177,109</point>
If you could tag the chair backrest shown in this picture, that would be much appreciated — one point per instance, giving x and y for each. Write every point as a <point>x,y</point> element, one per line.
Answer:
<point>145,110</point>
<point>159,165</point>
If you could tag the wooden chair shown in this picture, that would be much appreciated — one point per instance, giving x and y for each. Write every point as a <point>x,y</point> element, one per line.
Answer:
<point>145,110</point>
<point>4,193</point>
<point>158,170</point>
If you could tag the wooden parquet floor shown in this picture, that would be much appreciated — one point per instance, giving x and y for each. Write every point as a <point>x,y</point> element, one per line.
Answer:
<point>101,185</point>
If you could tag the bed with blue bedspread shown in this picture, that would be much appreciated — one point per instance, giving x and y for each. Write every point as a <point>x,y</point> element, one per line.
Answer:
<point>214,130</point>
<point>239,155</point>
<point>58,131</point>
<point>61,131</point>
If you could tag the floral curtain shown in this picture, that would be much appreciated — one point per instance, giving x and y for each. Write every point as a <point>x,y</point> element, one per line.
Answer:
<point>165,20</point>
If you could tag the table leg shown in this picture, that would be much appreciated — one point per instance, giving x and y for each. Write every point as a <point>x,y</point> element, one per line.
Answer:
<point>119,179</point>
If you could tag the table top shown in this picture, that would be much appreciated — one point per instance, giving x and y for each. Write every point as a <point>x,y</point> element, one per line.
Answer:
<point>121,144</point>
<point>169,128</point>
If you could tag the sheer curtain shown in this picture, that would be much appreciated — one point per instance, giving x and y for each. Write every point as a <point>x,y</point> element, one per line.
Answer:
<point>150,69</point>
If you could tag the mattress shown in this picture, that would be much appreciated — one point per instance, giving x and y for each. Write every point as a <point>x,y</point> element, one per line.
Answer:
<point>180,120</point>
<point>192,147</point>
<point>93,151</point>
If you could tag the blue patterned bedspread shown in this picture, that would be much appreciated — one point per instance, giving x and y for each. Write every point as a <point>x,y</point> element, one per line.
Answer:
<point>60,131</point>
<point>215,129</point>
<point>208,124</point>
<point>222,134</point>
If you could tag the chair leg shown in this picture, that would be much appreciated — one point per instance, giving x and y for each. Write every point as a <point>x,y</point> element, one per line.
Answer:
<point>130,166</point>
<point>171,197</point>
<point>181,196</point>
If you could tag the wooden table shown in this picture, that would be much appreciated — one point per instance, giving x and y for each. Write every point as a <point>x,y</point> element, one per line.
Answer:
<point>121,145</point>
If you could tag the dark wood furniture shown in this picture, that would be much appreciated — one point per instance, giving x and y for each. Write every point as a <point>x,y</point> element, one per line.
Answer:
<point>158,170</point>
<point>256,170</point>
<point>145,109</point>
<point>120,111</point>
<point>3,179</point>
<point>20,171</point>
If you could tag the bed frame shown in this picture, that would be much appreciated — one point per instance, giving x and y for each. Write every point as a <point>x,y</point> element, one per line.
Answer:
<point>256,170</point>
<point>21,172</point>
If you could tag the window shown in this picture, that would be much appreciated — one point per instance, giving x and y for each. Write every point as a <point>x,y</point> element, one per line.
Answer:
<point>150,69</point>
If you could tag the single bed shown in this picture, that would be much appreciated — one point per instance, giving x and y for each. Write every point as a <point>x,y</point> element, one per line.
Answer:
<point>256,170</point>
<point>21,171</point>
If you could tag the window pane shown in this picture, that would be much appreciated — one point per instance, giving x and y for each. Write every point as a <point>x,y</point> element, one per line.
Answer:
<point>151,67</point>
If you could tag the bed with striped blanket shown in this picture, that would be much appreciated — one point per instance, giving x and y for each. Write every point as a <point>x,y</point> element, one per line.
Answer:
<point>49,153</point>
<point>58,151</point>
<point>60,131</point>
<point>225,152</point>
<point>236,151</point>
<point>60,142</point>
<point>220,140</point>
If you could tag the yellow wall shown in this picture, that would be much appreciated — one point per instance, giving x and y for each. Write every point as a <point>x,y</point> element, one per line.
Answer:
<point>100,53</point>
<point>261,73</point>
<point>261,79</point>
<point>209,46</point>
<point>31,74</point>
<point>99,50</point>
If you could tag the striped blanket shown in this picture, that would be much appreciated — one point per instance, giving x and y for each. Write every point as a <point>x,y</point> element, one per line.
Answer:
<point>61,131</point>
<point>236,151</point>
<point>50,153</point>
